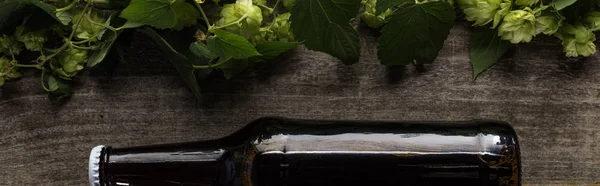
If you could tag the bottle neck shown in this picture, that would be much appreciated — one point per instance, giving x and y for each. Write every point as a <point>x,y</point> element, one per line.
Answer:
<point>182,164</point>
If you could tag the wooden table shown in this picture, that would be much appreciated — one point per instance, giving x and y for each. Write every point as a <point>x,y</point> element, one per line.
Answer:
<point>553,102</point>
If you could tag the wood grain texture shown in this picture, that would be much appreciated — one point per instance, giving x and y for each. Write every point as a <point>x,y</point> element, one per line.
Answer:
<point>553,102</point>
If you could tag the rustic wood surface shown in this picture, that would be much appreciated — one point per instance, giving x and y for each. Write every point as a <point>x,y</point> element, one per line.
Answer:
<point>553,102</point>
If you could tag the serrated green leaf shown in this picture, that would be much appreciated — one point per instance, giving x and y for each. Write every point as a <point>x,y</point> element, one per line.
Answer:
<point>156,13</point>
<point>324,26</point>
<point>227,44</point>
<point>201,50</point>
<point>383,5</point>
<point>105,45</point>
<point>64,17</point>
<point>270,50</point>
<point>59,89</point>
<point>131,24</point>
<point>561,4</point>
<point>415,33</point>
<point>161,14</point>
<point>52,84</point>
<point>187,14</point>
<point>486,49</point>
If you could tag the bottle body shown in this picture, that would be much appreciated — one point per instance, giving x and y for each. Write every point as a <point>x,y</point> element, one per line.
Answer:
<point>286,152</point>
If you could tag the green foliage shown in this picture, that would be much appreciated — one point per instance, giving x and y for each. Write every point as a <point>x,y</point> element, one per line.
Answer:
<point>270,50</point>
<point>162,14</point>
<point>59,89</point>
<point>69,62</point>
<point>63,37</point>
<point>518,26</point>
<point>483,12</point>
<point>327,27</point>
<point>561,4</point>
<point>572,21</point>
<point>382,6</point>
<point>86,29</point>
<point>419,43</point>
<point>226,44</point>
<point>7,70</point>
<point>371,17</point>
<point>577,40</point>
<point>548,24</point>
<point>104,47</point>
<point>486,48</point>
<point>201,50</point>
<point>241,18</point>
<point>33,41</point>
<point>288,4</point>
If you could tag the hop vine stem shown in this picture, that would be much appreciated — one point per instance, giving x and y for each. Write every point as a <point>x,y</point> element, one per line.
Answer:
<point>229,24</point>
<point>203,14</point>
<point>221,62</point>
<point>68,7</point>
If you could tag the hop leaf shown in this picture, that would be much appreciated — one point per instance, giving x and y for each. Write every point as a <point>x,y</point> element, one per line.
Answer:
<point>592,20</point>
<point>518,26</point>
<point>548,24</point>
<point>187,15</point>
<point>10,45</point>
<point>7,70</point>
<point>577,40</point>
<point>370,16</point>
<point>483,12</point>
<point>33,41</point>
<point>69,62</point>
<point>250,16</point>
<point>525,3</point>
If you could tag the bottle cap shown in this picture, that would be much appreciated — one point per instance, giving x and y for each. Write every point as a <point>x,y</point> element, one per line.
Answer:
<point>94,165</point>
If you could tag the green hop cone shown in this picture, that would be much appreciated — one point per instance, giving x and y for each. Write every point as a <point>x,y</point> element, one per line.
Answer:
<point>33,41</point>
<point>289,4</point>
<point>547,24</point>
<point>577,40</point>
<point>518,26</point>
<point>525,3</point>
<point>69,62</point>
<point>266,11</point>
<point>483,12</point>
<point>7,70</point>
<point>369,16</point>
<point>592,20</point>
<point>249,17</point>
<point>282,28</point>
<point>86,29</point>
<point>9,45</point>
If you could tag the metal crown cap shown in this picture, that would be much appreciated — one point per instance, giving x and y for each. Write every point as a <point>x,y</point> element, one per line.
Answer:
<point>94,165</point>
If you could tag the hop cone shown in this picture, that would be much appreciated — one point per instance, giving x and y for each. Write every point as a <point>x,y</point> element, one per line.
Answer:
<point>518,26</point>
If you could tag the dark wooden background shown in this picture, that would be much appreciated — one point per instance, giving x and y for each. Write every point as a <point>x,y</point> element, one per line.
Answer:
<point>553,102</point>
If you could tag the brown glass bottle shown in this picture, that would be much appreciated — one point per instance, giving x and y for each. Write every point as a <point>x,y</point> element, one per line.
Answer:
<point>288,152</point>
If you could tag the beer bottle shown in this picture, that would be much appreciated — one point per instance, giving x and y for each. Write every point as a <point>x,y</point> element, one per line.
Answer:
<point>290,152</point>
